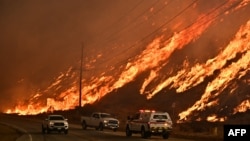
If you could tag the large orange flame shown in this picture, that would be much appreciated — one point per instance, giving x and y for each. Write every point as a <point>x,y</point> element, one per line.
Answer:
<point>241,44</point>
<point>244,106</point>
<point>153,58</point>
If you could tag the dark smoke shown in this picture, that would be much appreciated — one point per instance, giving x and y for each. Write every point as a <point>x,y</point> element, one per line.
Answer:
<point>41,38</point>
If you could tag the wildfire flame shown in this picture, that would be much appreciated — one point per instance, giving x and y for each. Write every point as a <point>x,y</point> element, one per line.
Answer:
<point>244,106</point>
<point>153,58</point>
<point>241,44</point>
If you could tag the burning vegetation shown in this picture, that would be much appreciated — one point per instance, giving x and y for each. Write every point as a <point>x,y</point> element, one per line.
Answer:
<point>220,80</point>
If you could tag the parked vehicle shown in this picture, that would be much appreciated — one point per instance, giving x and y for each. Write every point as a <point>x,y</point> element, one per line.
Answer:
<point>99,121</point>
<point>149,123</point>
<point>55,123</point>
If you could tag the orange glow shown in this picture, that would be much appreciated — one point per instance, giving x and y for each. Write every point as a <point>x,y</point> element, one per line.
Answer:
<point>243,107</point>
<point>152,59</point>
<point>235,71</point>
<point>213,118</point>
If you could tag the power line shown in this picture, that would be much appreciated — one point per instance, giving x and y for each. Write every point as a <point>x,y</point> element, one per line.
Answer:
<point>164,24</point>
<point>80,81</point>
<point>160,27</point>
<point>127,25</point>
<point>125,15</point>
<point>140,15</point>
<point>122,17</point>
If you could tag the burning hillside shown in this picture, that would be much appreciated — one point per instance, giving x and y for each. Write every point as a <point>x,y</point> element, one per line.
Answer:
<point>213,83</point>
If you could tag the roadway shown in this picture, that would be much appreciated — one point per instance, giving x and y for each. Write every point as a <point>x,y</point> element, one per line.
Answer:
<point>31,130</point>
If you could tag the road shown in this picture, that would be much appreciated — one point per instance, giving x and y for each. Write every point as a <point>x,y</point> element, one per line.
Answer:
<point>32,132</point>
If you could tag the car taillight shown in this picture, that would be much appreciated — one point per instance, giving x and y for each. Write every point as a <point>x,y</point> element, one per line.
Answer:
<point>168,124</point>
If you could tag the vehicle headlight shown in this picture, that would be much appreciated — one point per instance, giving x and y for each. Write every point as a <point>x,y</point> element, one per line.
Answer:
<point>105,121</point>
<point>51,123</point>
<point>65,123</point>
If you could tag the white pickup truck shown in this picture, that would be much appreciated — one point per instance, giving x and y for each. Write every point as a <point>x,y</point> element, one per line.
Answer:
<point>100,121</point>
<point>55,123</point>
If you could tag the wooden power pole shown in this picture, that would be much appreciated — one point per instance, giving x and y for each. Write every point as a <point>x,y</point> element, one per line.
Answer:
<point>80,82</point>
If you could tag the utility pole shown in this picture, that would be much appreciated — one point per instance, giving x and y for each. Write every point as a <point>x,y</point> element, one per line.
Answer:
<point>80,82</point>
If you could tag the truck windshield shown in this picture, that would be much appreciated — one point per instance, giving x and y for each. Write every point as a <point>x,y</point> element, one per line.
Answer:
<point>160,117</point>
<point>105,115</point>
<point>56,118</point>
